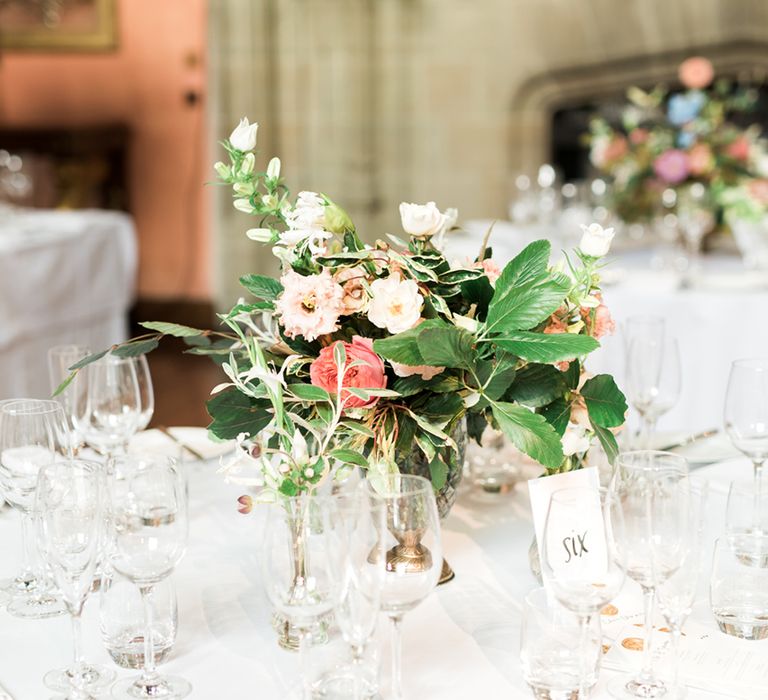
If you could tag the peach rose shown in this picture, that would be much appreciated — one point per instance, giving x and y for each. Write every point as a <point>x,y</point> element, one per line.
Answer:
<point>696,72</point>
<point>352,281</point>
<point>367,375</point>
<point>700,159</point>
<point>738,149</point>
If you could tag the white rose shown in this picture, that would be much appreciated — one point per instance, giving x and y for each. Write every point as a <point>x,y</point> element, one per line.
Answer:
<point>596,240</point>
<point>451,216</point>
<point>574,441</point>
<point>421,220</point>
<point>243,138</point>
<point>395,304</point>
<point>307,213</point>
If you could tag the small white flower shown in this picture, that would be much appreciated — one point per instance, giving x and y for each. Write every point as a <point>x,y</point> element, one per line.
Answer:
<point>244,189</point>
<point>309,472</point>
<point>244,205</point>
<point>243,138</point>
<point>262,235</point>
<point>269,201</point>
<point>315,239</point>
<point>307,213</point>
<point>574,441</point>
<point>422,220</point>
<point>222,170</point>
<point>596,240</point>
<point>248,164</point>
<point>273,169</point>
<point>395,304</point>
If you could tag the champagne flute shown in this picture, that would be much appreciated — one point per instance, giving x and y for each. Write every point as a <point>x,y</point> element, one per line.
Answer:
<point>746,412</point>
<point>60,359</point>
<point>296,567</point>
<point>33,433</point>
<point>148,503</point>
<point>414,557</point>
<point>580,560</point>
<point>69,504</point>
<point>651,488</point>
<point>653,379</point>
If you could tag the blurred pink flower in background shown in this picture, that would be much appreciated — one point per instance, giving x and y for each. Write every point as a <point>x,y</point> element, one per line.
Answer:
<point>671,166</point>
<point>700,159</point>
<point>696,72</point>
<point>738,149</point>
<point>638,136</point>
<point>758,189</point>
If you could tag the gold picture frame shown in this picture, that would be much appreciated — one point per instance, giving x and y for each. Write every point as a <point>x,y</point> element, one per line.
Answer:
<point>58,25</point>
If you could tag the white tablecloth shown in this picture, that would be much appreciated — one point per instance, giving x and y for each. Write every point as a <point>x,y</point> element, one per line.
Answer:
<point>65,277</point>
<point>462,642</point>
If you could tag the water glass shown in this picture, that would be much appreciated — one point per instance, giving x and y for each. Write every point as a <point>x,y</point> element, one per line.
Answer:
<point>738,589</point>
<point>60,359</point>
<point>558,660</point>
<point>494,466</point>
<point>121,618</point>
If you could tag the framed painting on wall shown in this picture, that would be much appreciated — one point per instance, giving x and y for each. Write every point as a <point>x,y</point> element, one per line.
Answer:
<point>58,25</point>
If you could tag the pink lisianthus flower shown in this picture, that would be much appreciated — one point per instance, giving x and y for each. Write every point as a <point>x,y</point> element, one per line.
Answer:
<point>738,149</point>
<point>671,166</point>
<point>310,305</point>
<point>424,371</point>
<point>696,72</point>
<point>369,374</point>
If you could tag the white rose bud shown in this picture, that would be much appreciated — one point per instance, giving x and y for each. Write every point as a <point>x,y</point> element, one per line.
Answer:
<point>595,241</point>
<point>260,235</point>
<point>248,164</point>
<point>222,170</point>
<point>273,169</point>
<point>243,205</point>
<point>421,220</point>
<point>243,138</point>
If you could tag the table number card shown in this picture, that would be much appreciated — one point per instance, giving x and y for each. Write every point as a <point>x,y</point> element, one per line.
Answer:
<point>577,539</point>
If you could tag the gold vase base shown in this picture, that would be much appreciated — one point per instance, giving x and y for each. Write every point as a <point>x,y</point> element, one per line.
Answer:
<point>446,574</point>
<point>289,636</point>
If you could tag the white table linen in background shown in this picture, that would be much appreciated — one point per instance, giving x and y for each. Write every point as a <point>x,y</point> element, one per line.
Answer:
<point>462,642</point>
<point>65,277</point>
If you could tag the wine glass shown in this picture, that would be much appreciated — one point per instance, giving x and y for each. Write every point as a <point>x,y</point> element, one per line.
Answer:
<point>33,433</point>
<point>651,489</point>
<point>746,412</point>
<point>296,567</point>
<point>356,547</point>
<point>148,509</point>
<point>60,359</point>
<point>110,411</point>
<point>580,561</point>
<point>146,390</point>
<point>677,594</point>
<point>747,508</point>
<point>653,379</point>
<point>69,505</point>
<point>695,217</point>
<point>414,554</point>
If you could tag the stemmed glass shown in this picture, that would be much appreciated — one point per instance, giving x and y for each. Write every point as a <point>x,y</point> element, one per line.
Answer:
<point>694,214</point>
<point>69,505</point>
<point>677,594</point>
<point>414,554</point>
<point>580,561</point>
<point>148,509</point>
<point>651,488</point>
<point>33,433</point>
<point>296,567</point>
<point>117,403</point>
<point>60,359</point>
<point>746,412</point>
<point>653,378</point>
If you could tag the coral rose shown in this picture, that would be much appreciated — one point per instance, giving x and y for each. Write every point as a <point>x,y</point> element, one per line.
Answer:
<point>738,149</point>
<point>696,72</point>
<point>369,374</point>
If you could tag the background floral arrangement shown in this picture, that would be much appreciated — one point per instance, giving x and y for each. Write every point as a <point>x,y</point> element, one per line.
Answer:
<point>359,352</point>
<point>674,140</point>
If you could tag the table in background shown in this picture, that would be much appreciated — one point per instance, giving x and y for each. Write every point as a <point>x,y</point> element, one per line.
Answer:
<point>462,642</point>
<point>65,277</point>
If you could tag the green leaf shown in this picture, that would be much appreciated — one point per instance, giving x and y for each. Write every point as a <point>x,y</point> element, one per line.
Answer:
<point>87,360</point>
<point>64,384</point>
<point>438,472</point>
<point>546,347</point>
<point>573,374</point>
<point>234,413</point>
<point>135,349</point>
<point>536,386</point>
<point>288,488</point>
<point>479,292</point>
<point>262,287</point>
<point>606,405</point>
<point>357,428</point>
<point>409,386</point>
<point>476,425</point>
<point>350,457</point>
<point>527,305</point>
<point>309,392</point>
<point>558,413</point>
<point>458,276</point>
<point>404,347</point>
<point>608,442</point>
<point>527,266</point>
<point>447,346</point>
<point>530,433</point>
<point>174,329</point>
<point>503,374</point>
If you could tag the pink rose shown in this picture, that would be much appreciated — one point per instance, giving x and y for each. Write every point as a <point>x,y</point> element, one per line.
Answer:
<point>696,72</point>
<point>671,166</point>
<point>638,136</point>
<point>367,375</point>
<point>700,159</point>
<point>598,320</point>
<point>738,149</point>
<point>758,190</point>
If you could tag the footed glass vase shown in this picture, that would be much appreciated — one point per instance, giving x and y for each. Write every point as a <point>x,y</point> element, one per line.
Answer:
<point>417,464</point>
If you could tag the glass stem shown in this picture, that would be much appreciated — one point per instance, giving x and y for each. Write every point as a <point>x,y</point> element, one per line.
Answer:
<point>149,677</point>
<point>27,553</point>
<point>649,597</point>
<point>647,432</point>
<point>77,642</point>
<point>397,657</point>
<point>305,642</point>
<point>358,651</point>
<point>676,633</point>
<point>584,621</point>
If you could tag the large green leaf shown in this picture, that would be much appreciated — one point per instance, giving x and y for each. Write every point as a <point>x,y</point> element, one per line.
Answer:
<point>558,413</point>
<point>526,305</point>
<point>606,404</point>
<point>175,329</point>
<point>446,347</point>
<point>546,347</point>
<point>404,347</point>
<point>536,386</point>
<point>262,287</point>
<point>234,413</point>
<point>527,266</point>
<point>530,433</point>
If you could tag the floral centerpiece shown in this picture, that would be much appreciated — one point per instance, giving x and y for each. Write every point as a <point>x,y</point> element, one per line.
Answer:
<point>358,354</point>
<point>674,140</point>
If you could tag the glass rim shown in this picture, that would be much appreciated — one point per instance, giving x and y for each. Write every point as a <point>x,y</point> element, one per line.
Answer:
<point>424,486</point>
<point>69,462</point>
<point>759,363</point>
<point>32,407</point>
<point>682,462</point>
